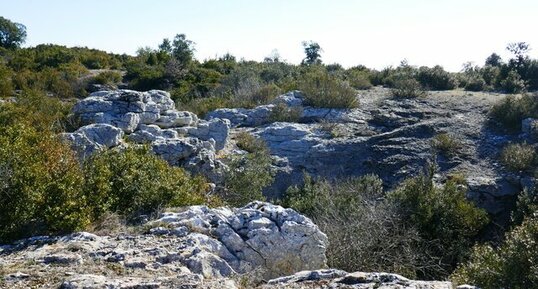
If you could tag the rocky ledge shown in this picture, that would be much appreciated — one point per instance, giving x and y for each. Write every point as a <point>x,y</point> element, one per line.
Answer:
<point>197,247</point>
<point>113,118</point>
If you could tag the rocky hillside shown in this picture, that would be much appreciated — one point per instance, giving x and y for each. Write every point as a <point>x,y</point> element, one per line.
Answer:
<point>260,244</point>
<point>392,138</point>
<point>197,247</point>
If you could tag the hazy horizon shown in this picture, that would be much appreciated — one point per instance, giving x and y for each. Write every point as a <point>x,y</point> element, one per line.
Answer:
<point>376,34</point>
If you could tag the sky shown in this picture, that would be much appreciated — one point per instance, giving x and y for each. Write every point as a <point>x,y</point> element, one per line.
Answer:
<point>375,33</point>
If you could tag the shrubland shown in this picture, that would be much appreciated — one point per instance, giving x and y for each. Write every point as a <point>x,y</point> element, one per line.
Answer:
<point>418,229</point>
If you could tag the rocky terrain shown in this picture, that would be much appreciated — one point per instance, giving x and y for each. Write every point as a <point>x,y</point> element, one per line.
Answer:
<point>260,244</point>
<point>389,137</point>
<point>197,247</point>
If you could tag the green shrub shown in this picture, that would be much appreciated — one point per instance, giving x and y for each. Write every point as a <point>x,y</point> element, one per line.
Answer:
<point>6,83</point>
<point>514,264</point>
<point>251,96</point>
<point>518,157</point>
<point>136,181</point>
<point>108,77</point>
<point>250,143</point>
<point>201,106</point>
<point>323,90</point>
<point>513,83</point>
<point>248,175</point>
<point>282,112</point>
<point>446,144</point>
<point>447,222</point>
<point>407,88</point>
<point>364,230</point>
<point>359,79</point>
<point>512,110</point>
<point>475,84</point>
<point>436,78</point>
<point>40,185</point>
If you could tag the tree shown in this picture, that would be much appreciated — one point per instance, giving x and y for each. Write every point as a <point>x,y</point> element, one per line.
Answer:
<point>519,50</point>
<point>312,51</point>
<point>12,34</point>
<point>182,49</point>
<point>494,60</point>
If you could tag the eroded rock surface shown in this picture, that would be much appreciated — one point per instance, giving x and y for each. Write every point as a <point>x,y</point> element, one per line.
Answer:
<point>113,118</point>
<point>391,138</point>
<point>198,246</point>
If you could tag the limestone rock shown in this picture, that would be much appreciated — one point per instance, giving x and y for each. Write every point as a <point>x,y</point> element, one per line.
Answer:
<point>358,280</point>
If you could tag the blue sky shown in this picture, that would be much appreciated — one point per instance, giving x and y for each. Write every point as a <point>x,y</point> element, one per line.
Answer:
<point>374,33</point>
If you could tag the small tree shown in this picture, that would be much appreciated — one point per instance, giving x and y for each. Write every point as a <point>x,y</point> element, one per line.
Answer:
<point>312,51</point>
<point>494,60</point>
<point>182,49</point>
<point>12,34</point>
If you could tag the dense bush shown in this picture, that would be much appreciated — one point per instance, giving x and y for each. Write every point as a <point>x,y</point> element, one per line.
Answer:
<point>108,77</point>
<point>514,264</point>
<point>512,110</point>
<point>518,157</point>
<point>448,223</point>
<point>364,231</point>
<point>135,181</point>
<point>475,84</point>
<point>284,113</point>
<point>40,184</point>
<point>407,88</point>
<point>248,174</point>
<point>513,83</point>
<point>323,90</point>
<point>358,79</point>
<point>6,82</point>
<point>436,78</point>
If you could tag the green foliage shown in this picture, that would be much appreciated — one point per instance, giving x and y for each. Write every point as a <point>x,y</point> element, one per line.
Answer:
<point>358,79</point>
<point>513,83</point>
<point>475,84</point>
<point>6,83</point>
<point>282,112</point>
<point>514,264</point>
<point>436,78</point>
<point>518,157</point>
<point>512,110</point>
<point>446,144</point>
<point>12,34</point>
<point>323,90</point>
<point>447,222</point>
<point>40,184</point>
<point>250,143</point>
<point>135,181</point>
<point>201,106</point>
<point>312,53</point>
<point>407,88</point>
<point>248,175</point>
<point>364,230</point>
<point>108,77</point>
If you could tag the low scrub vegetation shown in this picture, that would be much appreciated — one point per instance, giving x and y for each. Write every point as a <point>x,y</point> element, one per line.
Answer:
<point>446,144</point>
<point>323,90</point>
<point>407,88</point>
<point>513,109</point>
<point>512,264</point>
<point>45,190</point>
<point>419,230</point>
<point>518,157</point>
<point>282,112</point>
<point>248,174</point>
